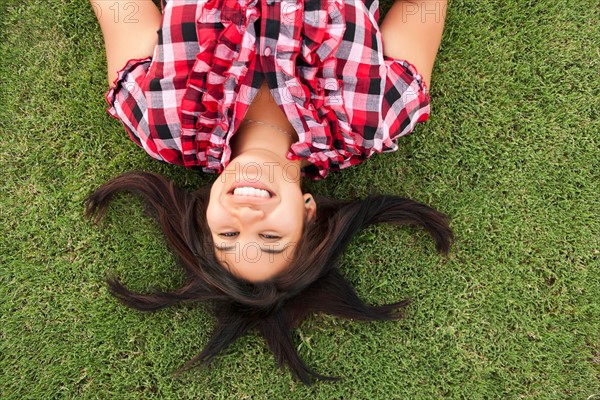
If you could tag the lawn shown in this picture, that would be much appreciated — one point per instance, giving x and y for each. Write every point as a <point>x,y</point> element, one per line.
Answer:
<point>511,153</point>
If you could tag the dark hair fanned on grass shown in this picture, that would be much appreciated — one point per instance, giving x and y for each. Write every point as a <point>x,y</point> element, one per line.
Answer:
<point>311,283</point>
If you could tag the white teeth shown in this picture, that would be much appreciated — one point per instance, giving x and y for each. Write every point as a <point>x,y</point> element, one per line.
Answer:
<point>250,191</point>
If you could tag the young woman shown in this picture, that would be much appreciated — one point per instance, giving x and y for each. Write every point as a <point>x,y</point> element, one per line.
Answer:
<point>264,92</point>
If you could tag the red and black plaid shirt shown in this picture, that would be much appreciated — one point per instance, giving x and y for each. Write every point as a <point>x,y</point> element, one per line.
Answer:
<point>322,60</point>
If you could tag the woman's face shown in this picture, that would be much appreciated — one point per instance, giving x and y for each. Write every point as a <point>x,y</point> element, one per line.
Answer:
<point>256,214</point>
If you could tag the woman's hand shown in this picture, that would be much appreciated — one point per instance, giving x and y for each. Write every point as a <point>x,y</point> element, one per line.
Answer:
<point>129,28</point>
<point>412,31</point>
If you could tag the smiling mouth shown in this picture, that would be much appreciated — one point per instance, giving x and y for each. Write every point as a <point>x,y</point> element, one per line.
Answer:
<point>250,191</point>
<point>255,190</point>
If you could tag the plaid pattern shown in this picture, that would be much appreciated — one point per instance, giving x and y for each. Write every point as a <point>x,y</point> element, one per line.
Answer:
<point>322,60</point>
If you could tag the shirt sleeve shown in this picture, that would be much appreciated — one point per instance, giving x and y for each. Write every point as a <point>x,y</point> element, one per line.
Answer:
<point>127,102</point>
<point>406,100</point>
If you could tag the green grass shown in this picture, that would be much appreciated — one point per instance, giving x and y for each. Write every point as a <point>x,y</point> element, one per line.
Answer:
<point>510,152</point>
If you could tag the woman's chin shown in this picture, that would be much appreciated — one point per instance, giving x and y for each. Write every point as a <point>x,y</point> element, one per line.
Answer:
<point>263,163</point>
<point>259,155</point>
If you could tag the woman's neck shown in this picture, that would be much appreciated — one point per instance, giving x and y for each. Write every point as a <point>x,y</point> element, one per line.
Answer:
<point>274,132</point>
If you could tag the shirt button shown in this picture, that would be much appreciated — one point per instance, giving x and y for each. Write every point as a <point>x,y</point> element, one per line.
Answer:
<point>267,51</point>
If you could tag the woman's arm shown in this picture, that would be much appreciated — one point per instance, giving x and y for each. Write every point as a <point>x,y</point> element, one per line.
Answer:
<point>129,28</point>
<point>412,31</point>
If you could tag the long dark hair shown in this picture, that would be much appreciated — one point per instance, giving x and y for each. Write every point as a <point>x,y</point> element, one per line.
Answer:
<point>311,283</point>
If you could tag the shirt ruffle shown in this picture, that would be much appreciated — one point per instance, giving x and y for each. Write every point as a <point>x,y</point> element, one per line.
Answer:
<point>215,79</point>
<point>326,138</point>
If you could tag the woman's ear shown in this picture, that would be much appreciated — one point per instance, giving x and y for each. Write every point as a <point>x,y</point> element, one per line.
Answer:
<point>310,206</point>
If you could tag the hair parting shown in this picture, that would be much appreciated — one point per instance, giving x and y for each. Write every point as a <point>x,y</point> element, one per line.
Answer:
<point>312,282</point>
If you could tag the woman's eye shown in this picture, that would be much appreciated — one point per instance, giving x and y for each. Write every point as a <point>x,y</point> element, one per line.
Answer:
<point>267,236</point>
<point>228,234</point>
